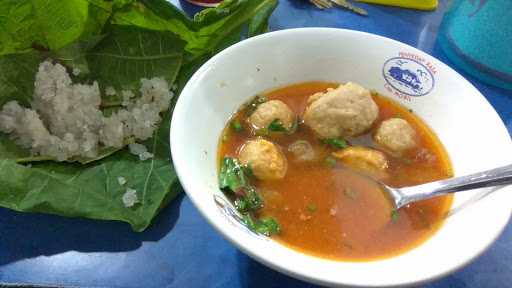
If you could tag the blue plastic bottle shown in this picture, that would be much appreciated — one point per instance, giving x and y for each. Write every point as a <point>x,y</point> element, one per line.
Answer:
<point>477,36</point>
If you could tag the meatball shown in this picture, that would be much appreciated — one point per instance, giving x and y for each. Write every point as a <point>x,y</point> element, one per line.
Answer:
<point>270,111</point>
<point>395,134</point>
<point>265,159</point>
<point>345,111</point>
<point>365,160</point>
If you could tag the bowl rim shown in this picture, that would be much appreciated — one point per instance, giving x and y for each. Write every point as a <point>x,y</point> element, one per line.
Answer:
<point>288,270</point>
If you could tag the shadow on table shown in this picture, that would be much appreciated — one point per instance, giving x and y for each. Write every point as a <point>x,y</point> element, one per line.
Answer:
<point>300,4</point>
<point>255,275</point>
<point>25,235</point>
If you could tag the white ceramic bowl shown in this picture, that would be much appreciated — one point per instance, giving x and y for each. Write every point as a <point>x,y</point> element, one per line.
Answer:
<point>469,128</point>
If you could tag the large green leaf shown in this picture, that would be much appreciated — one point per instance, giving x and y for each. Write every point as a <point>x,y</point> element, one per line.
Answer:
<point>61,22</point>
<point>50,24</point>
<point>85,34</point>
<point>128,54</point>
<point>93,190</point>
<point>210,28</point>
<point>156,15</point>
<point>17,75</point>
<point>18,28</point>
<point>212,34</point>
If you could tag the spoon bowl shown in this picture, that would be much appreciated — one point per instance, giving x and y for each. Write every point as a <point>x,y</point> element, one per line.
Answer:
<point>489,178</point>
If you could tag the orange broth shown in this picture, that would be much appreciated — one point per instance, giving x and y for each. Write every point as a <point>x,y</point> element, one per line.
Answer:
<point>334,213</point>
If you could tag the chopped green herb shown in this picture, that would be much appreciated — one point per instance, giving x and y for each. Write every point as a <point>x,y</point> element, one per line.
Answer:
<point>394,215</point>
<point>262,132</point>
<point>232,176</point>
<point>252,201</point>
<point>266,226</point>
<point>338,143</point>
<point>330,161</point>
<point>398,115</point>
<point>311,207</point>
<point>276,126</point>
<point>248,170</point>
<point>241,204</point>
<point>236,126</point>
<point>350,193</point>
<point>235,178</point>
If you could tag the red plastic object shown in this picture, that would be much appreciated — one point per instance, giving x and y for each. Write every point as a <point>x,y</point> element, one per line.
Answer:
<point>205,3</point>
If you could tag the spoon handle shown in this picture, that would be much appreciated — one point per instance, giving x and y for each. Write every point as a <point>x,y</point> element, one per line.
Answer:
<point>494,177</point>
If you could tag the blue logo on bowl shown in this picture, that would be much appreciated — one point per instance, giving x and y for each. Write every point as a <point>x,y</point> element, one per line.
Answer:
<point>408,76</point>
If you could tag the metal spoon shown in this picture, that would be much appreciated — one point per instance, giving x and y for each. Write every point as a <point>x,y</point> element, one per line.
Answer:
<point>406,195</point>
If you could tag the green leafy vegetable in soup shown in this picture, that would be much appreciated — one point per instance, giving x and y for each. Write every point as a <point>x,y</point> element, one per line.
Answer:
<point>235,180</point>
<point>277,126</point>
<point>338,143</point>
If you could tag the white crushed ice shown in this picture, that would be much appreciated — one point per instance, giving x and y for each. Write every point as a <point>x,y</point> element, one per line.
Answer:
<point>121,180</point>
<point>145,156</point>
<point>127,97</point>
<point>66,121</point>
<point>140,150</point>
<point>130,198</point>
<point>76,71</point>
<point>110,91</point>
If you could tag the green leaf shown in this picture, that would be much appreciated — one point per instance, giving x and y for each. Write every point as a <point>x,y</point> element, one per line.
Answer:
<point>17,77</point>
<point>266,226</point>
<point>157,15</point>
<point>259,23</point>
<point>61,22</point>
<point>50,24</point>
<point>85,34</point>
<point>211,33</point>
<point>92,190</point>
<point>338,143</point>
<point>250,202</point>
<point>232,175</point>
<point>395,215</point>
<point>236,126</point>
<point>128,54</point>
<point>276,126</point>
<point>74,54</point>
<point>262,132</point>
<point>18,27</point>
<point>72,189</point>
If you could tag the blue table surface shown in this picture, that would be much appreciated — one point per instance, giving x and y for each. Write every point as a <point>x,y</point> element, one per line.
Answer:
<point>181,249</point>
